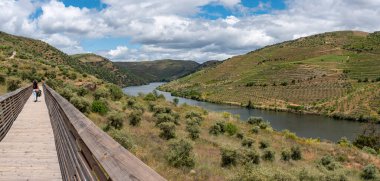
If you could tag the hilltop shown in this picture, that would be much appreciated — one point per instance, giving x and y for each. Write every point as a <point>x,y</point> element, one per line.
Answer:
<point>335,74</point>
<point>163,70</point>
<point>183,142</point>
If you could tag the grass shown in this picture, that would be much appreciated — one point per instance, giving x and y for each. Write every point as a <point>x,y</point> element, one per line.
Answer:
<point>316,72</point>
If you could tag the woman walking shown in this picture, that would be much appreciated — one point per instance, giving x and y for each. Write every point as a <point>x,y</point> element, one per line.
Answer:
<point>35,90</point>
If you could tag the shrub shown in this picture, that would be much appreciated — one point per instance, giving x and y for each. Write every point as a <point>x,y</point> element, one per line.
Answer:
<point>193,130</point>
<point>369,172</point>
<point>231,129</point>
<point>289,135</point>
<point>296,153</point>
<point>255,120</point>
<point>82,91</point>
<point>166,117</point>
<point>81,104</point>
<point>116,120</point>
<point>99,106</point>
<point>329,163</point>
<point>100,93</point>
<point>179,154</point>
<point>229,157</point>
<point>160,109</point>
<point>217,128</point>
<point>13,84</point>
<point>344,142</point>
<point>247,142</point>
<point>369,150</point>
<point>176,101</point>
<point>122,138</point>
<point>150,97</point>
<point>167,130</point>
<point>255,130</point>
<point>268,155</point>
<point>240,135</point>
<point>116,92</point>
<point>263,144</point>
<point>192,114</point>
<point>135,118</point>
<point>285,155</point>
<point>249,156</point>
<point>264,125</point>
<point>226,115</point>
<point>73,76</point>
<point>2,80</point>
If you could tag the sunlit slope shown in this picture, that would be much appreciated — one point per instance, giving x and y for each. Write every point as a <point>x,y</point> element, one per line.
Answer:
<point>335,73</point>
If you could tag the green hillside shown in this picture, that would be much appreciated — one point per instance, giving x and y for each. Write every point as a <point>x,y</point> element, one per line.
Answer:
<point>183,142</point>
<point>160,70</point>
<point>335,74</point>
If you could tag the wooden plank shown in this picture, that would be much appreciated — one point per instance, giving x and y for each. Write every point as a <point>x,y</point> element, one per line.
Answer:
<point>28,150</point>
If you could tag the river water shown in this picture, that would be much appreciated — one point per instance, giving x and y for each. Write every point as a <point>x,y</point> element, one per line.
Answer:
<point>309,126</point>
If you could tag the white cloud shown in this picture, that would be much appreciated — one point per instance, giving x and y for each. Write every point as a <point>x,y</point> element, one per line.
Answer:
<point>119,52</point>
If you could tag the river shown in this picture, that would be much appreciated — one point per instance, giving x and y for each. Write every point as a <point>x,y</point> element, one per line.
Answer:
<point>304,125</point>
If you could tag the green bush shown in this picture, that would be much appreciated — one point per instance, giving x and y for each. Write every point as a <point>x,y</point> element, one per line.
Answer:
<point>82,91</point>
<point>66,93</point>
<point>255,120</point>
<point>369,172</point>
<point>179,154</point>
<point>192,114</point>
<point>73,76</point>
<point>231,129</point>
<point>166,117</point>
<point>100,93</point>
<point>2,80</point>
<point>122,138</point>
<point>161,109</point>
<point>247,142</point>
<point>296,153</point>
<point>263,144</point>
<point>268,155</point>
<point>240,135</point>
<point>116,92</point>
<point>344,142</point>
<point>13,84</point>
<point>135,118</point>
<point>81,104</point>
<point>167,130</point>
<point>285,155</point>
<point>249,156</point>
<point>229,157</point>
<point>116,120</point>
<point>99,106</point>
<point>369,150</point>
<point>216,129</point>
<point>264,125</point>
<point>255,130</point>
<point>329,163</point>
<point>150,97</point>
<point>193,130</point>
<point>289,135</point>
<point>176,101</point>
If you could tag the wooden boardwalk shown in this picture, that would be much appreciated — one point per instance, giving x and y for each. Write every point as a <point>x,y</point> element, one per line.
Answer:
<point>28,150</point>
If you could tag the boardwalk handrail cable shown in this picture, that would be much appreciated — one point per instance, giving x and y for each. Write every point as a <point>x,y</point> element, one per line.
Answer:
<point>85,152</point>
<point>11,105</point>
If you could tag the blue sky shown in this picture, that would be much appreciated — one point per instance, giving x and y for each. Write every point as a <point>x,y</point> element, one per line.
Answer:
<point>201,30</point>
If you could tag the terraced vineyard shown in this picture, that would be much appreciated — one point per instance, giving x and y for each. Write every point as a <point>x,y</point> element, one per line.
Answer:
<point>336,74</point>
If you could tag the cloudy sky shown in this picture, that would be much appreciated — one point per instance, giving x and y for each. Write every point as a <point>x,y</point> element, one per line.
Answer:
<point>137,30</point>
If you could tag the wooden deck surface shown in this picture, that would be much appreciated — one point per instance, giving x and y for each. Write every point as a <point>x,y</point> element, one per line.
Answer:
<point>28,150</point>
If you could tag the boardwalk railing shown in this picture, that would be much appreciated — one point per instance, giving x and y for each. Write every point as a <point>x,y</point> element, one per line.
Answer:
<point>11,105</point>
<point>87,153</point>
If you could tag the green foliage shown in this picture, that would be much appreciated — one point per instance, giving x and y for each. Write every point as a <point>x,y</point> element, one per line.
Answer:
<point>99,106</point>
<point>370,137</point>
<point>231,129</point>
<point>100,93</point>
<point>255,130</point>
<point>369,172</point>
<point>82,91</point>
<point>179,154</point>
<point>66,93</point>
<point>250,156</point>
<point>176,101</point>
<point>263,144</point>
<point>135,118</point>
<point>247,142</point>
<point>344,142</point>
<point>166,117</point>
<point>264,125</point>
<point>150,97</point>
<point>269,155</point>
<point>229,157</point>
<point>286,155</point>
<point>369,150</point>
<point>2,80</point>
<point>296,153</point>
<point>116,92</point>
<point>54,84</point>
<point>81,104</point>
<point>193,130</point>
<point>167,130</point>
<point>73,76</point>
<point>255,120</point>
<point>217,128</point>
<point>329,163</point>
<point>13,84</point>
<point>240,135</point>
<point>115,120</point>
<point>295,108</point>
<point>122,138</point>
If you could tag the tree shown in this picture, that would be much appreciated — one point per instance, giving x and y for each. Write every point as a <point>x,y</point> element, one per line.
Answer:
<point>176,101</point>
